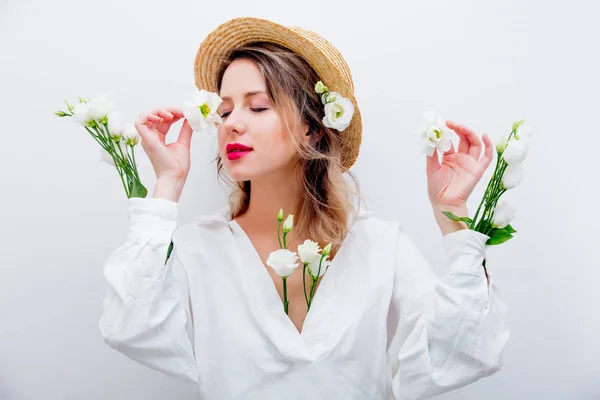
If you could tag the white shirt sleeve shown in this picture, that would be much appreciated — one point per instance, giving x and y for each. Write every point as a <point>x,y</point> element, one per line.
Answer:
<point>446,332</point>
<point>146,311</point>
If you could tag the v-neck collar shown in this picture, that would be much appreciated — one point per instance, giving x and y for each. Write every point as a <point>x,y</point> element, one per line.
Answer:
<point>309,344</point>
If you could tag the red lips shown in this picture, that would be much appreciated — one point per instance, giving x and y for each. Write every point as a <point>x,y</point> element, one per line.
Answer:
<point>236,147</point>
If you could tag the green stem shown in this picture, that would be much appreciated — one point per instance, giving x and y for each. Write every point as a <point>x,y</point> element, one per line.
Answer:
<point>304,284</point>
<point>312,288</point>
<point>104,143</point>
<point>285,301</point>
<point>284,240</point>
<point>279,234</point>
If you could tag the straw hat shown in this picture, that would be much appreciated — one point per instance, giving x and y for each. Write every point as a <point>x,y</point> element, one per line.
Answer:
<point>318,52</point>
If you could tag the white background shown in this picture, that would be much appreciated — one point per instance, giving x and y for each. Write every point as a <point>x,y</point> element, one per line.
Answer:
<point>483,64</point>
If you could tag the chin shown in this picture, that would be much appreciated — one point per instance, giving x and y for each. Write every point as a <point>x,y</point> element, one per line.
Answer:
<point>239,173</point>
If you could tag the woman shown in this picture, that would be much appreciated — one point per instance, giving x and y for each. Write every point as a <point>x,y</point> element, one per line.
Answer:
<point>382,325</point>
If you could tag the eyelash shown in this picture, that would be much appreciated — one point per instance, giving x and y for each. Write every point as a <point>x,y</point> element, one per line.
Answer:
<point>224,115</point>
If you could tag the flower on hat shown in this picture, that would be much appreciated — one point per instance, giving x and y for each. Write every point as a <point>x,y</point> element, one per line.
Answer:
<point>201,112</point>
<point>338,109</point>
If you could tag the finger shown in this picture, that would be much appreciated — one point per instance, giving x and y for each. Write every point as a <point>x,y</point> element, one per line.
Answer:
<point>488,154</point>
<point>165,125</point>
<point>432,163</point>
<point>164,114</point>
<point>185,134</point>
<point>463,143</point>
<point>147,118</point>
<point>175,111</point>
<point>475,143</point>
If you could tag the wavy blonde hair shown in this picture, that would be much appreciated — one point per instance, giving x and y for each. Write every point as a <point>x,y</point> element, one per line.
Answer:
<point>327,199</point>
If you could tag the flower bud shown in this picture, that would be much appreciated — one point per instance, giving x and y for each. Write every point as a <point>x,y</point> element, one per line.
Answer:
<point>288,224</point>
<point>326,250</point>
<point>69,106</point>
<point>501,145</point>
<point>280,215</point>
<point>516,125</point>
<point>320,87</point>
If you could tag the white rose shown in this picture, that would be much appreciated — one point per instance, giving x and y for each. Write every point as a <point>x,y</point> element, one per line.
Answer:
<point>309,251</point>
<point>81,114</point>
<point>100,107</point>
<point>283,261</point>
<point>516,151</point>
<point>503,214</point>
<point>115,127</point>
<point>202,111</point>
<point>513,175</point>
<point>338,113</point>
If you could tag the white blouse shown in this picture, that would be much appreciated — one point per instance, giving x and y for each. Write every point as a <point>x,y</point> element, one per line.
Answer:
<point>382,325</point>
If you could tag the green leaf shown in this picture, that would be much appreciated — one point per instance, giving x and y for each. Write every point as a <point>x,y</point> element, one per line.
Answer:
<point>169,251</point>
<point>509,229</point>
<point>498,236</point>
<point>137,189</point>
<point>453,217</point>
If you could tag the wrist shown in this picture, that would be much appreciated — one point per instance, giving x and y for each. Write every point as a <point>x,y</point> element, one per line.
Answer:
<point>169,188</point>
<point>445,224</point>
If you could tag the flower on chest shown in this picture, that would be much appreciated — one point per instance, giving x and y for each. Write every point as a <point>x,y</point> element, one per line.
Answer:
<point>284,262</point>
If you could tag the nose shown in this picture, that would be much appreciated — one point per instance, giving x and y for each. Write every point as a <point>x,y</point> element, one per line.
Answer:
<point>234,124</point>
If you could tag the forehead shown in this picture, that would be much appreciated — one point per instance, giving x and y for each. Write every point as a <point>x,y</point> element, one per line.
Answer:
<point>242,76</point>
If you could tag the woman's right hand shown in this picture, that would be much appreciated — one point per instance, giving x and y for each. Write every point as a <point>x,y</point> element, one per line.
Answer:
<point>170,161</point>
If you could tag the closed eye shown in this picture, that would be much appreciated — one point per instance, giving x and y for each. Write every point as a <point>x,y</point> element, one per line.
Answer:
<point>261,109</point>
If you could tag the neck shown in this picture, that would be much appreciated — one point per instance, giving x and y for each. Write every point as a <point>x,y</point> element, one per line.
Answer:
<point>267,197</point>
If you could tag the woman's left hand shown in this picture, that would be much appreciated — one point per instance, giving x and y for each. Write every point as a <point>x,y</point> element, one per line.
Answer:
<point>450,183</point>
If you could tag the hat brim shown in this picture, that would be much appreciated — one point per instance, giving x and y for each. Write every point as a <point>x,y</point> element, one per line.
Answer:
<point>320,54</point>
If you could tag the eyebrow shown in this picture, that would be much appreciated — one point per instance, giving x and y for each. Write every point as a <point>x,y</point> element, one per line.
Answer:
<point>247,94</point>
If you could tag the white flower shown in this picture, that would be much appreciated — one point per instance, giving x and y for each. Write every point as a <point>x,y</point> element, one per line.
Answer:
<point>513,175</point>
<point>81,114</point>
<point>313,266</point>
<point>115,126</point>
<point>202,111</point>
<point>338,112</point>
<point>504,213</point>
<point>435,135</point>
<point>130,135</point>
<point>516,151</point>
<point>100,107</point>
<point>309,251</point>
<point>288,223</point>
<point>283,261</point>
<point>525,131</point>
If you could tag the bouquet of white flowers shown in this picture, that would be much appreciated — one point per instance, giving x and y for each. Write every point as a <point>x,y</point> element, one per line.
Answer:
<point>493,216</point>
<point>118,140</point>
